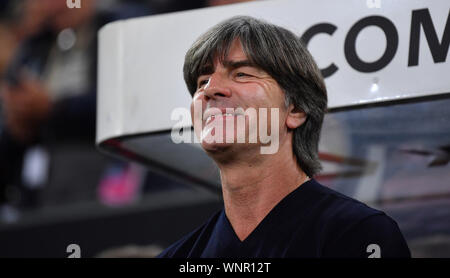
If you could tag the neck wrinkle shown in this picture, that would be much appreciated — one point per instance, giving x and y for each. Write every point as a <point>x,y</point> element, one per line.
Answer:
<point>251,189</point>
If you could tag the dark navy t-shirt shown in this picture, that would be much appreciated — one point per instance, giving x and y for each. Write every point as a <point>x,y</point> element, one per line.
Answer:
<point>311,221</point>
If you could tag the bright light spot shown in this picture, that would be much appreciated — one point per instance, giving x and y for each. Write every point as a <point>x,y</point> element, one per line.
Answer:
<point>374,88</point>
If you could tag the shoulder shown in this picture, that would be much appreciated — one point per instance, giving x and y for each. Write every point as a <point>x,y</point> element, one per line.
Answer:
<point>336,208</point>
<point>186,246</point>
<point>374,236</point>
<point>353,229</point>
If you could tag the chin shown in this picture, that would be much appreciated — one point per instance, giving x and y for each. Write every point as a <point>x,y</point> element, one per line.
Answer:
<point>216,147</point>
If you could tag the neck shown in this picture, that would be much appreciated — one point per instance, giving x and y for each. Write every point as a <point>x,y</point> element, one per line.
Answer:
<point>251,189</point>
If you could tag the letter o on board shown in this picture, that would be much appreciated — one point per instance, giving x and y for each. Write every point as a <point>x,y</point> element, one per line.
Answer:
<point>391,44</point>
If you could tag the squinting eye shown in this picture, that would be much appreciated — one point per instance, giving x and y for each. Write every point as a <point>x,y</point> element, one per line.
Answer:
<point>202,83</point>
<point>241,74</point>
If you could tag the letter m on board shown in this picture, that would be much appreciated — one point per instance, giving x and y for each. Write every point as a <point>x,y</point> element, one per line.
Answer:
<point>438,49</point>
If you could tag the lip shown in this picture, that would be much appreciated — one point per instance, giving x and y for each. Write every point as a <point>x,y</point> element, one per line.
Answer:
<point>213,111</point>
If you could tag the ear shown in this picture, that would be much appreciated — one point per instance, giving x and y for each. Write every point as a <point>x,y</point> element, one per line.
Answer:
<point>295,117</point>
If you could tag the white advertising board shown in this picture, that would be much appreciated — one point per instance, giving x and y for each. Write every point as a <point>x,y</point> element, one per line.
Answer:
<point>369,51</point>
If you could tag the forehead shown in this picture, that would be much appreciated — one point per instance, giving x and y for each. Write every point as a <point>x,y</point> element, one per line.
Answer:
<point>234,53</point>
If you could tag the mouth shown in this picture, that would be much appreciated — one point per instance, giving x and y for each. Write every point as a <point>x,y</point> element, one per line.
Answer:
<point>212,117</point>
<point>211,113</point>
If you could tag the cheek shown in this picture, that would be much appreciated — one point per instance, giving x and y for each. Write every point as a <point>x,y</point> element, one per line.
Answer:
<point>192,111</point>
<point>197,103</point>
<point>198,107</point>
<point>266,95</point>
<point>273,97</point>
<point>251,95</point>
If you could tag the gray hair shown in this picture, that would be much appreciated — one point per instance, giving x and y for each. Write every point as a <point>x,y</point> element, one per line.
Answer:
<point>283,56</point>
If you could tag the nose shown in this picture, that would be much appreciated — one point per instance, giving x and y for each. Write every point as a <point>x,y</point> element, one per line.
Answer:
<point>217,87</point>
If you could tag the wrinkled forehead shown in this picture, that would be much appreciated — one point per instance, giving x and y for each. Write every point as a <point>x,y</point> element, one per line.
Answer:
<point>229,54</point>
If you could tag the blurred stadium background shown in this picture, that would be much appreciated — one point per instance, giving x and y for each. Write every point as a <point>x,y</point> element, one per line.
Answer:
<point>57,189</point>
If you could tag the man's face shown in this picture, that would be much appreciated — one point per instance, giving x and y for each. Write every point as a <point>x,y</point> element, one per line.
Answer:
<point>234,83</point>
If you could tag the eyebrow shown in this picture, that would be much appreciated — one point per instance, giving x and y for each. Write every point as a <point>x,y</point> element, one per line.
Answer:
<point>209,69</point>
<point>237,64</point>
